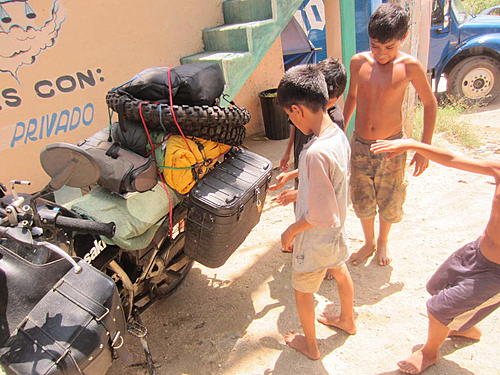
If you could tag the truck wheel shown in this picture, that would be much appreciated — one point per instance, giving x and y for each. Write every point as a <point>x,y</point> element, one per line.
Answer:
<point>475,80</point>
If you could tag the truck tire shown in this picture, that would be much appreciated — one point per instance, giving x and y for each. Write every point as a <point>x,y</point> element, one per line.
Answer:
<point>219,124</point>
<point>475,80</point>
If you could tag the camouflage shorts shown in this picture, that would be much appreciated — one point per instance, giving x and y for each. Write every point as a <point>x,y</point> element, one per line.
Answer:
<point>377,181</point>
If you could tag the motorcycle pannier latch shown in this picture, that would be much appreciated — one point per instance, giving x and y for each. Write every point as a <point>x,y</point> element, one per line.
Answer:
<point>240,210</point>
<point>256,198</point>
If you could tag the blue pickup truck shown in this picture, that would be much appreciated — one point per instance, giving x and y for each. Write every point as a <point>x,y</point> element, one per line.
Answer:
<point>466,49</point>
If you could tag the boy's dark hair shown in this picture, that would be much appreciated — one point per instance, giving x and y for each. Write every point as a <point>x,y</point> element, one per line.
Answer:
<point>388,22</point>
<point>305,85</point>
<point>335,76</point>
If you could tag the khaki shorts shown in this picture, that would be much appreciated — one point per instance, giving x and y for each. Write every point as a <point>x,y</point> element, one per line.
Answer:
<point>377,181</point>
<point>308,282</point>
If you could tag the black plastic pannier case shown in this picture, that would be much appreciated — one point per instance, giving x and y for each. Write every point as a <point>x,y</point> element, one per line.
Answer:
<point>225,205</point>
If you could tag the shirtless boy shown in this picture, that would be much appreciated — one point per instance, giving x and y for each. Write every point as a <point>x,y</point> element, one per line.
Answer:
<point>466,287</point>
<point>317,236</point>
<point>379,79</point>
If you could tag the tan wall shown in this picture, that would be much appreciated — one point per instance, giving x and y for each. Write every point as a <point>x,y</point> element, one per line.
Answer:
<point>267,76</point>
<point>106,41</point>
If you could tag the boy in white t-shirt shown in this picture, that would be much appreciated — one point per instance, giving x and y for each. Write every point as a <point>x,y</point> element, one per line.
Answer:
<point>317,236</point>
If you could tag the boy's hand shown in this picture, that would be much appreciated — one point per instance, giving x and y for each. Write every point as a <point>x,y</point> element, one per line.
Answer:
<point>281,180</point>
<point>284,162</point>
<point>287,238</point>
<point>286,197</point>
<point>421,164</point>
<point>396,147</point>
<point>393,148</point>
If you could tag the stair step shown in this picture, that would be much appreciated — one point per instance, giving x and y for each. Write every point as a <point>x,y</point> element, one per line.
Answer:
<point>251,26</point>
<point>218,56</point>
<point>236,37</point>
<point>239,11</point>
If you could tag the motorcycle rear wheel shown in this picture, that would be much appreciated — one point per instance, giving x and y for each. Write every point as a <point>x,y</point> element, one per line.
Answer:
<point>174,274</point>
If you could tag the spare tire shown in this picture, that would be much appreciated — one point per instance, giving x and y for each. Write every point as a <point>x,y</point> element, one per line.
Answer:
<point>219,124</point>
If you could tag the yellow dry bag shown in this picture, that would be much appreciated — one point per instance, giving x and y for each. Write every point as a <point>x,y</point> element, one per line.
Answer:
<point>184,165</point>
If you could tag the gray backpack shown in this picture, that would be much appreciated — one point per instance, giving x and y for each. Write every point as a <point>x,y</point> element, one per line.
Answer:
<point>122,171</point>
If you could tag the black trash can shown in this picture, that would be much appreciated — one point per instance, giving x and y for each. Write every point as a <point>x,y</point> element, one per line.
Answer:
<point>275,119</point>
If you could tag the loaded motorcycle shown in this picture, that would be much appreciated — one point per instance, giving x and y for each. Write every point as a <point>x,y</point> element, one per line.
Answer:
<point>207,226</point>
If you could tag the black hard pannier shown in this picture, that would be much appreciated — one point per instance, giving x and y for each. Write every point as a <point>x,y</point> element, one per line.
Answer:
<point>225,205</point>
<point>55,321</point>
<point>192,84</point>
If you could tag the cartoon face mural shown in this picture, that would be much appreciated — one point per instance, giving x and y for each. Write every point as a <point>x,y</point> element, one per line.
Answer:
<point>26,31</point>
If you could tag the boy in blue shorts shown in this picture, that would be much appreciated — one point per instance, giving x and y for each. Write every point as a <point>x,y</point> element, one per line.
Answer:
<point>466,287</point>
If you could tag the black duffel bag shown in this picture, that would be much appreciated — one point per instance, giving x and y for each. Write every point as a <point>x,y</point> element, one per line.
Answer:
<point>201,84</point>
<point>192,84</point>
<point>152,84</point>
<point>56,321</point>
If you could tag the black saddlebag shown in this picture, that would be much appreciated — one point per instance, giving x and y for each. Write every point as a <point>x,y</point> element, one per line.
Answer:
<point>54,321</point>
<point>225,205</point>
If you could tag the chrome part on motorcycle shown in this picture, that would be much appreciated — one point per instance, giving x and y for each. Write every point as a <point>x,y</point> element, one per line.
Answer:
<point>22,236</point>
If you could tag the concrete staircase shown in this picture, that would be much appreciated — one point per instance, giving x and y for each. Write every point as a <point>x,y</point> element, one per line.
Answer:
<point>250,28</point>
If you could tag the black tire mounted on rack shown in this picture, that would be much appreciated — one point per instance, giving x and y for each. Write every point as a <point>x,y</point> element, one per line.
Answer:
<point>219,124</point>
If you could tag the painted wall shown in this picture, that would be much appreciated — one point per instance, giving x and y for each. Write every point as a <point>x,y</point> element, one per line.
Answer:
<point>56,68</point>
<point>55,91</point>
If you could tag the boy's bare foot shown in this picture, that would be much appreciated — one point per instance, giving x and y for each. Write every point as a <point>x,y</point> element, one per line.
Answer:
<point>329,275</point>
<point>299,343</point>
<point>416,363</point>
<point>383,258</point>
<point>348,326</point>
<point>472,333</point>
<point>362,254</point>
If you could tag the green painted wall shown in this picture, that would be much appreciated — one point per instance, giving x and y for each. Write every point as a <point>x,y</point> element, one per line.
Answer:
<point>348,26</point>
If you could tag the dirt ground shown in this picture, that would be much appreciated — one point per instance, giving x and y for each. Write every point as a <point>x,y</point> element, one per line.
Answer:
<point>231,320</point>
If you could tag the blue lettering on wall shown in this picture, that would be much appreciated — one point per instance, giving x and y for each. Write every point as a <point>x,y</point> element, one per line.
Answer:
<point>32,125</point>
<point>88,119</point>
<point>62,123</point>
<point>74,122</point>
<point>50,124</point>
<point>17,137</point>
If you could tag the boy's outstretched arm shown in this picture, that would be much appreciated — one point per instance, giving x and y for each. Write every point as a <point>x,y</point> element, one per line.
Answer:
<point>424,91</point>
<point>490,243</point>
<point>352,93</point>
<point>439,155</point>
